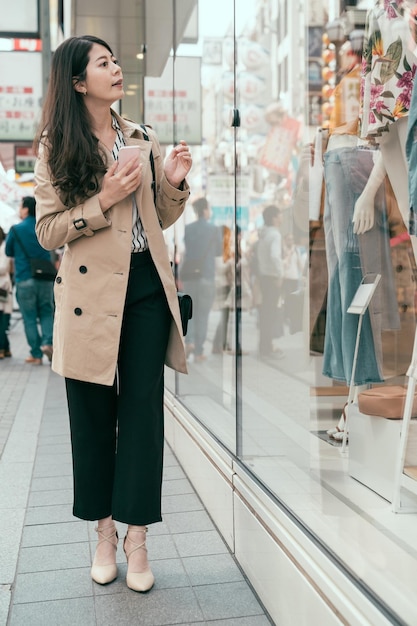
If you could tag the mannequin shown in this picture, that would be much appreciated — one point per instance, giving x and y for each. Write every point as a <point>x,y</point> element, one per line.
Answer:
<point>387,85</point>
<point>347,167</point>
<point>390,161</point>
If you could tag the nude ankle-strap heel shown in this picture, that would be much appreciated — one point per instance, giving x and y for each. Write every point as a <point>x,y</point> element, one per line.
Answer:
<point>137,581</point>
<point>104,574</point>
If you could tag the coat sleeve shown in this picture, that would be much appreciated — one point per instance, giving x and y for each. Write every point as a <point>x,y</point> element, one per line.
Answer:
<point>55,221</point>
<point>170,202</point>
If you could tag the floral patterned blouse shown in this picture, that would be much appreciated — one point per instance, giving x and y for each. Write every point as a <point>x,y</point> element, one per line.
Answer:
<point>388,68</point>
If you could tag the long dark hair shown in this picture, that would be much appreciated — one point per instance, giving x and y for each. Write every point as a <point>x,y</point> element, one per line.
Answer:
<point>75,162</point>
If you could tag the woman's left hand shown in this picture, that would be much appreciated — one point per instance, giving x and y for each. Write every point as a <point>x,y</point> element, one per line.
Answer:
<point>178,164</point>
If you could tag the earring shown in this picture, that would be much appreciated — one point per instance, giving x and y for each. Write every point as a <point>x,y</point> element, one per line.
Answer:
<point>85,92</point>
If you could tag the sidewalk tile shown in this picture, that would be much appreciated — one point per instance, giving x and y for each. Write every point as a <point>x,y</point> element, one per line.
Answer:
<point>46,498</point>
<point>207,570</point>
<point>200,543</point>
<point>158,608</point>
<point>222,601</point>
<point>5,596</point>
<point>188,522</point>
<point>56,557</point>
<point>161,547</point>
<point>50,469</point>
<point>49,514</point>
<point>52,585</point>
<point>174,472</point>
<point>177,504</point>
<point>51,483</point>
<point>14,481</point>
<point>56,450</point>
<point>73,612</point>
<point>52,440</point>
<point>50,534</point>
<point>181,486</point>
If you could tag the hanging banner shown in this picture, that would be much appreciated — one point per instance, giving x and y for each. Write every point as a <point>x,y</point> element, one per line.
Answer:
<point>19,18</point>
<point>279,146</point>
<point>20,95</point>
<point>164,106</point>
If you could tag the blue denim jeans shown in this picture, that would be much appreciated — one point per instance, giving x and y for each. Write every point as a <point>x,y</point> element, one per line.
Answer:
<point>346,172</point>
<point>36,303</point>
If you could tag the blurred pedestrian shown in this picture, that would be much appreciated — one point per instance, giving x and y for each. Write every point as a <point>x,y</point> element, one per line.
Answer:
<point>240,294</point>
<point>6,298</point>
<point>292,271</point>
<point>117,316</point>
<point>270,268</point>
<point>203,243</point>
<point>34,296</point>
<point>224,281</point>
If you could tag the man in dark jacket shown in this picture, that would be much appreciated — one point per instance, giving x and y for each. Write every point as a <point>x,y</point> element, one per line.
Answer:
<point>203,243</point>
<point>34,297</point>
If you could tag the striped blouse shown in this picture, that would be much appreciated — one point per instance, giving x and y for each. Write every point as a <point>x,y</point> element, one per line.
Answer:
<point>139,241</point>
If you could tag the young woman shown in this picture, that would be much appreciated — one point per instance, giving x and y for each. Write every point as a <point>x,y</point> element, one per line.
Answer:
<point>117,318</point>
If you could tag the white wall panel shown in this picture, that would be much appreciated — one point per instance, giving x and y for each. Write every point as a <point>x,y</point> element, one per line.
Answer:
<point>296,581</point>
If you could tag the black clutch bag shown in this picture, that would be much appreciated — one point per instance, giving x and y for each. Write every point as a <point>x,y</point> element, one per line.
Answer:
<point>42,269</point>
<point>186,310</point>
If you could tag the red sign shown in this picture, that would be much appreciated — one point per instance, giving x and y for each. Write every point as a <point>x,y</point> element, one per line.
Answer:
<point>25,158</point>
<point>30,45</point>
<point>280,143</point>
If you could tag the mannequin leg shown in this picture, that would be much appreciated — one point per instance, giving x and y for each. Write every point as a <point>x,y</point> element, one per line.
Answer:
<point>337,433</point>
<point>392,146</point>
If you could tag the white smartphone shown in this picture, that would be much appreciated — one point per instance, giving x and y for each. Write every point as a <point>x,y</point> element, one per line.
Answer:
<point>126,153</point>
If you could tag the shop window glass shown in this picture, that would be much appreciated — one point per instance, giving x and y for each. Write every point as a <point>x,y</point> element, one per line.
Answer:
<point>290,238</point>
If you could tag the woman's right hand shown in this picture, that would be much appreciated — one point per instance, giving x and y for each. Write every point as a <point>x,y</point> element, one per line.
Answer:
<point>119,184</point>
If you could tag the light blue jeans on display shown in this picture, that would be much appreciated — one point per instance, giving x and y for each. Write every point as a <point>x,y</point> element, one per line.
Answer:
<point>202,292</point>
<point>346,171</point>
<point>36,303</point>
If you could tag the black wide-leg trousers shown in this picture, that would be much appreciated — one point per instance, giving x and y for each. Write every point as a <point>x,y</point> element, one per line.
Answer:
<point>117,432</point>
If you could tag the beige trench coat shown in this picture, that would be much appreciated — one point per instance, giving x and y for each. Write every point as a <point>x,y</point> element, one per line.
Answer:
<point>90,288</point>
<point>5,281</point>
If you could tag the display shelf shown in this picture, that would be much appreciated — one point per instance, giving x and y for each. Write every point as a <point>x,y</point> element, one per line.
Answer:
<point>406,469</point>
<point>411,472</point>
<point>358,306</point>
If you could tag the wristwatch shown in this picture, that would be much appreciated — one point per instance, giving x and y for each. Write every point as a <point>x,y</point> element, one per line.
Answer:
<point>80,223</point>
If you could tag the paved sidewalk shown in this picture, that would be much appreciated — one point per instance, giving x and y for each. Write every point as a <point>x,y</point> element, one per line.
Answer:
<point>45,553</point>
